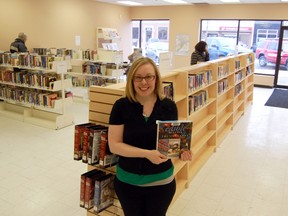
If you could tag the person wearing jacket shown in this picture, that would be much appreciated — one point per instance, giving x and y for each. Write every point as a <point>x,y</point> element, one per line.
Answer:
<point>19,44</point>
<point>144,181</point>
<point>200,54</point>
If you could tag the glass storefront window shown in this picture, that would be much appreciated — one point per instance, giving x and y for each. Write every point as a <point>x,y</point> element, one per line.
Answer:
<point>153,37</point>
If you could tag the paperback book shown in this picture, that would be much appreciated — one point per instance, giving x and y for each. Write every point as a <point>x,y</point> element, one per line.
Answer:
<point>173,137</point>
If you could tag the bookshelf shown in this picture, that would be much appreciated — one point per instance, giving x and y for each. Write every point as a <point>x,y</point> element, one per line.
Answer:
<point>29,95</point>
<point>225,91</point>
<point>103,70</point>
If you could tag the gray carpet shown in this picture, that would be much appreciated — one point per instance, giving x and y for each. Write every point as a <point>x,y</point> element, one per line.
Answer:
<point>279,98</point>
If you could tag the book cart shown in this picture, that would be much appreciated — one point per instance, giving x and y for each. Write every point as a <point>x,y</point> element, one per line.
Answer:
<point>18,101</point>
<point>215,96</point>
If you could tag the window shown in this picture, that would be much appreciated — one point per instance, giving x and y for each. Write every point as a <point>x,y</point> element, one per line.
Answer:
<point>273,45</point>
<point>153,37</point>
<point>162,33</point>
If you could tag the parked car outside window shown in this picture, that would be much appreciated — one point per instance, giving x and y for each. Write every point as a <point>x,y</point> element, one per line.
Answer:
<point>153,50</point>
<point>222,46</point>
<point>266,52</point>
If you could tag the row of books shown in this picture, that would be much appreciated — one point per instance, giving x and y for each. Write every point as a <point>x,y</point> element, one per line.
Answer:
<point>239,76</point>
<point>93,68</point>
<point>97,190</point>
<point>223,85</point>
<point>223,70</point>
<point>27,60</point>
<point>198,100</point>
<point>84,54</point>
<point>80,81</point>
<point>196,81</point>
<point>36,79</point>
<point>100,68</point>
<point>91,145</point>
<point>28,96</point>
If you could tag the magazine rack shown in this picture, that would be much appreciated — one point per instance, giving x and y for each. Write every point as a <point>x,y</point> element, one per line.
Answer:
<point>229,90</point>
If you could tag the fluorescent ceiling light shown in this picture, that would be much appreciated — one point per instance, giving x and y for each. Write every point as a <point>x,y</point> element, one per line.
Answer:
<point>176,1</point>
<point>130,3</point>
<point>230,1</point>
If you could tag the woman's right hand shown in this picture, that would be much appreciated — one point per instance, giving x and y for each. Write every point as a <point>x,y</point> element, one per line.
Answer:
<point>155,156</point>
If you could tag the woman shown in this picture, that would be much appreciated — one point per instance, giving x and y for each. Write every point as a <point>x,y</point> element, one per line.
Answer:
<point>200,54</point>
<point>144,180</point>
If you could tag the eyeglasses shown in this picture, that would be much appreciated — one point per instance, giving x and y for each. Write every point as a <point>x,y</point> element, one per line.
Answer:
<point>148,78</point>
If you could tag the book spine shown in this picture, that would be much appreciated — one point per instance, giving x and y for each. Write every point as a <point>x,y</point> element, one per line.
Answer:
<point>96,147</point>
<point>86,136</point>
<point>97,196</point>
<point>103,147</point>
<point>77,147</point>
<point>90,148</point>
<point>88,191</point>
<point>82,190</point>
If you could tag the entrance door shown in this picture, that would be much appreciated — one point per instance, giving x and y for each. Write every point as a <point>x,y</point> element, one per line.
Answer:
<point>281,69</point>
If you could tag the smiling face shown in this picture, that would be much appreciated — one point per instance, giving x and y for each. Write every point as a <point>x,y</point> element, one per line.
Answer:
<point>144,81</point>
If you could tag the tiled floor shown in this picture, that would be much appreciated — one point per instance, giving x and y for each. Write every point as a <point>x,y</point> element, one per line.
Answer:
<point>247,176</point>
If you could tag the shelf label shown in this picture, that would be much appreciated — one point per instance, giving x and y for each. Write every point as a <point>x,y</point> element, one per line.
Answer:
<point>61,67</point>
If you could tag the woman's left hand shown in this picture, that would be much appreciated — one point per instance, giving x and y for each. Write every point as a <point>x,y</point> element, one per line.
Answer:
<point>186,155</point>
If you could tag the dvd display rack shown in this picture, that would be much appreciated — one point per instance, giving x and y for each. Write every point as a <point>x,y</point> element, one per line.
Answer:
<point>34,94</point>
<point>215,96</point>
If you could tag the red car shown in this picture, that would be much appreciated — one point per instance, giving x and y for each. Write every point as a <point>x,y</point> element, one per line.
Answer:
<point>266,52</point>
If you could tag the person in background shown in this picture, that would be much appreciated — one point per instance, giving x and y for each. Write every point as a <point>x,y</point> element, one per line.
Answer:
<point>137,53</point>
<point>144,181</point>
<point>200,54</point>
<point>19,44</point>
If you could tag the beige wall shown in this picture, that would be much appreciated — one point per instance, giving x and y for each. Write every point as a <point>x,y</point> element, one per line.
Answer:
<point>186,19</point>
<point>55,23</point>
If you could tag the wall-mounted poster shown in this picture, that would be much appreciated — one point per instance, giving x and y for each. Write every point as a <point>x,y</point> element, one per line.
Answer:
<point>182,44</point>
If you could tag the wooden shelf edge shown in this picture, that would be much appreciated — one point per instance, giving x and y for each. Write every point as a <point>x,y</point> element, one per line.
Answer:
<point>201,160</point>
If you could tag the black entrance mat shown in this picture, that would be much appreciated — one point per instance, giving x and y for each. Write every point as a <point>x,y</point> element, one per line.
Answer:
<point>279,98</point>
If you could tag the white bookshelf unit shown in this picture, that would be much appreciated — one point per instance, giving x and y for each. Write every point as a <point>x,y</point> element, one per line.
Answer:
<point>31,103</point>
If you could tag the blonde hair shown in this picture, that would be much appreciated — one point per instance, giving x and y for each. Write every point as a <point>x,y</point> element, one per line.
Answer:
<point>130,90</point>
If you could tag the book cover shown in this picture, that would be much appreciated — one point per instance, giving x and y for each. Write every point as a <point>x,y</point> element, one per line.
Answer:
<point>104,192</point>
<point>173,137</point>
<point>168,89</point>
<point>106,157</point>
<point>94,143</point>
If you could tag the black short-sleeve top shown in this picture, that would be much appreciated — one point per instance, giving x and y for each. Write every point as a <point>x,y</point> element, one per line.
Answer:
<point>141,133</point>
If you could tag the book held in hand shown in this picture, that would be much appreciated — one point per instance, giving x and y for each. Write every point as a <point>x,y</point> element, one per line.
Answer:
<point>173,137</point>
